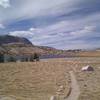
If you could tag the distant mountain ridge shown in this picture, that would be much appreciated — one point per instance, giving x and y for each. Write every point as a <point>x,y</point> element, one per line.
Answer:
<point>22,46</point>
<point>18,45</point>
<point>7,39</point>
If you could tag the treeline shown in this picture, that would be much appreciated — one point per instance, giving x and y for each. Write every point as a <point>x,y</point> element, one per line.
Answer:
<point>21,58</point>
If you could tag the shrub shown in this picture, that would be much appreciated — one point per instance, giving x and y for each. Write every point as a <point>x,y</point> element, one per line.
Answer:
<point>1,58</point>
<point>36,57</point>
<point>12,59</point>
<point>32,58</point>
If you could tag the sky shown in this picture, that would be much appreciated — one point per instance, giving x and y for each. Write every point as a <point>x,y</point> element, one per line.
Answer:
<point>62,24</point>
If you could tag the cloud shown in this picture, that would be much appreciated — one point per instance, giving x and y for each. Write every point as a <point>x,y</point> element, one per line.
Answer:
<point>71,40</point>
<point>66,24</point>
<point>37,9</point>
<point>5,3</point>
<point>28,34</point>
<point>2,26</point>
<point>84,32</point>
<point>66,34</point>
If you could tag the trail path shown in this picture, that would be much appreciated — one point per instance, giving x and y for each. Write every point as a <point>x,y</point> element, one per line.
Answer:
<point>75,91</point>
<point>6,98</point>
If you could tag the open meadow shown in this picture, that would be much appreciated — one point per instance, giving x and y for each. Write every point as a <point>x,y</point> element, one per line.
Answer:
<point>41,80</point>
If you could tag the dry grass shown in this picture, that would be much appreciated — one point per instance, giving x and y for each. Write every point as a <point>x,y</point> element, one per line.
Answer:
<point>89,54</point>
<point>41,80</point>
<point>34,81</point>
<point>89,81</point>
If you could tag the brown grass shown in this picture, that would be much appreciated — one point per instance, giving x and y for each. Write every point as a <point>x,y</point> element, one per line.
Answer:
<point>89,53</point>
<point>41,80</point>
<point>35,81</point>
<point>89,81</point>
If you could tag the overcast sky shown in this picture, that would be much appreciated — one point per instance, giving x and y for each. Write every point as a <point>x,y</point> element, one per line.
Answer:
<point>63,24</point>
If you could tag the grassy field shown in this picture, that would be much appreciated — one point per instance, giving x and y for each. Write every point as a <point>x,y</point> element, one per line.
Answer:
<point>41,80</point>
<point>89,81</point>
<point>34,80</point>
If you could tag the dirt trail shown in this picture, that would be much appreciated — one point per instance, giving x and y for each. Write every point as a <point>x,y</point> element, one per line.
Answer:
<point>75,91</point>
<point>6,98</point>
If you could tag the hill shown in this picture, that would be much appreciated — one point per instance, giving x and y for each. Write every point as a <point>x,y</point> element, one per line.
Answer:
<point>18,45</point>
<point>7,39</point>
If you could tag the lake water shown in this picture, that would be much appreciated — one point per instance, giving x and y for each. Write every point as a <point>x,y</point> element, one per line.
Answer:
<point>93,59</point>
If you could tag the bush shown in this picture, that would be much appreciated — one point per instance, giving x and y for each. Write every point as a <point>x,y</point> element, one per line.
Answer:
<point>36,57</point>
<point>32,58</point>
<point>12,59</point>
<point>1,58</point>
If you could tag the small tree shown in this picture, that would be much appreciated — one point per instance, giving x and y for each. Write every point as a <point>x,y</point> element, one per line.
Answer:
<point>1,58</point>
<point>32,58</point>
<point>12,59</point>
<point>36,57</point>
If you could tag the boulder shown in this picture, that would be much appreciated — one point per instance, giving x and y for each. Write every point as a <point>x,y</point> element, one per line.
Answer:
<point>87,68</point>
<point>53,98</point>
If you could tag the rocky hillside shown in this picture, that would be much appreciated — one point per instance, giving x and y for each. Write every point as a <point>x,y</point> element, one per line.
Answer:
<point>17,45</point>
<point>7,39</point>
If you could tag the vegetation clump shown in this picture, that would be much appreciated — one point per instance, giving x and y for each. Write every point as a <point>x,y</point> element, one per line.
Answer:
<point>35,57</point>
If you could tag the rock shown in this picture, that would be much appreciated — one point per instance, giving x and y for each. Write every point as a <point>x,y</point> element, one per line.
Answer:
<point>61,87</point>
<point>87,68</point>
<point>53,98</point>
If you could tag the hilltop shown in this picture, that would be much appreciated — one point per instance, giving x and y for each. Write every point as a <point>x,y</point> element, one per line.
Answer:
<point>17,45</point>
<point>7,40</point>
